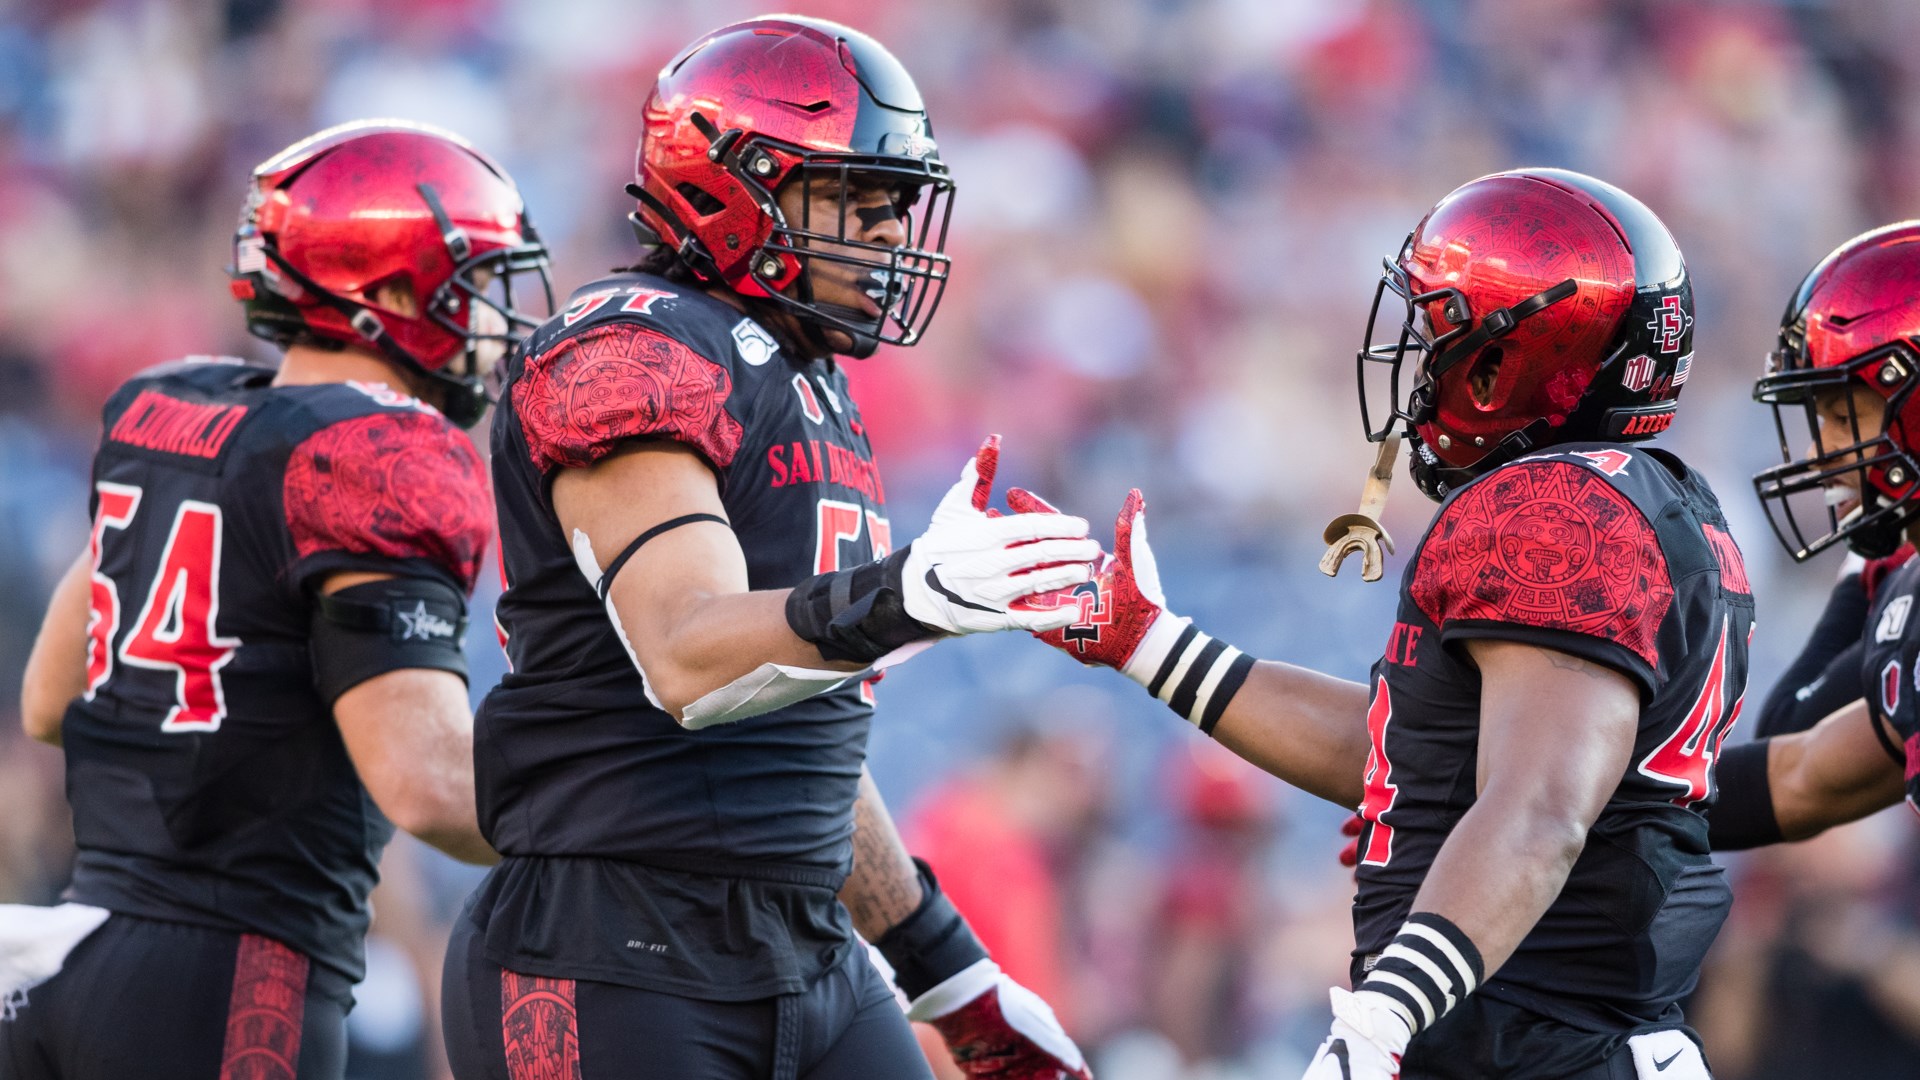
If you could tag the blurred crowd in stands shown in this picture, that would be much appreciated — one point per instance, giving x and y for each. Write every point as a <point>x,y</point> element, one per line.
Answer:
<point>1170,219</point>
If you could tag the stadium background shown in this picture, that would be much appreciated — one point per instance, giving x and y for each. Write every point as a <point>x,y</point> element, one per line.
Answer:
<point>1170,220</point>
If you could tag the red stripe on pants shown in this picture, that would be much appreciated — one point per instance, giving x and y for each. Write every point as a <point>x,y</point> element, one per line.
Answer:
<point>539,1025</point>
<point>264,1013</point>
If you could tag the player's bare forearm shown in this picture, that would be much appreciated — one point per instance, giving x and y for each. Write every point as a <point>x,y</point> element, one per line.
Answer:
<point>1834,772</point>
<point>884,887</point>
<point>698,640</point>
<point>683,599</point>
<point>1303,726</point>
<point>56,670</point>
<point>1556,734</point>
<point>410,736</point>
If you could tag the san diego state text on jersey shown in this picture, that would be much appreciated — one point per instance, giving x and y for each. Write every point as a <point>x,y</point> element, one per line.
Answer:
<point>574,757</point>
<point>208,780</point>
<point>1616,555</point>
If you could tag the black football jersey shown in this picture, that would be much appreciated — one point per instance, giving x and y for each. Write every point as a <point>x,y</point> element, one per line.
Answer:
<point>1889,672</point>
<point>585,784</point>
<point>1621,556</point>
<point>208,780</point>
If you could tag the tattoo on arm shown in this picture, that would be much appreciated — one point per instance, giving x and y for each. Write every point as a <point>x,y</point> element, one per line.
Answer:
<point>884,887</point>
<point>1566,662</point>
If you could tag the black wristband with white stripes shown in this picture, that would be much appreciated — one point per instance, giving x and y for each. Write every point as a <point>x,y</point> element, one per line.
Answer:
<point>1426,970</point>
<point>1193,672</point>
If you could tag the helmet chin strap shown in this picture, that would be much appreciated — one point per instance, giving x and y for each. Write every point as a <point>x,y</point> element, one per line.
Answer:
<point>864,343</point>
<point>462,401</point>
<point>1436,479</point>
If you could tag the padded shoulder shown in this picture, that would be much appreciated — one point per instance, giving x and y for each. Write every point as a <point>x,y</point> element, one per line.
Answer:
<point>395,483</point>
<point>1549,544</point>
<point>584,394</point>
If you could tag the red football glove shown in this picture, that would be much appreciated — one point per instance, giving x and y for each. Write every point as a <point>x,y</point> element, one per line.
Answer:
<point>995,1027</point>
<point>1120,606</point>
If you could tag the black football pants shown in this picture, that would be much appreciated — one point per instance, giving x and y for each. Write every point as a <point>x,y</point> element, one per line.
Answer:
<point>1483,1039</point>
<point>501,1025</point>
<point>168,1001</point>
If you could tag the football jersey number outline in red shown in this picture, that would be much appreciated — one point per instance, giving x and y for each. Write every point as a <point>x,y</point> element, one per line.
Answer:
<point>1686,758</point>
<point>840,522</point>
<point>118,503</point>
<point>175,630</point>
<point>1381,792</point>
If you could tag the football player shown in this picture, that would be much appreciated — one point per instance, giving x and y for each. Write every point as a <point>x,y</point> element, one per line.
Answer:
<point>256,667</point>
<point>1532,753</point>
<point>702,585</point>
<point>1848,361</point>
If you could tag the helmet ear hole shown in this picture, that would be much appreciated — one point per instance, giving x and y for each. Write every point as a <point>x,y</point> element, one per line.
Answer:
<point>703,202</point>
<point>395,293</point>
<point>1483,377</point>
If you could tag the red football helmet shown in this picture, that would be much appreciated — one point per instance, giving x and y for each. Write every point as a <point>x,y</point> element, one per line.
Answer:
<point>756,104</point>
<point>1544,307</point>
<point>1853,322</point>
<point>334,217</point>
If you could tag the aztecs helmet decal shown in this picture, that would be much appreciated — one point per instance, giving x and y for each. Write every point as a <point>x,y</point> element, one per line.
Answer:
<point>332,219</point>
<point>1852,329</point>
<point>1540,306</point>
<point>762,103</point>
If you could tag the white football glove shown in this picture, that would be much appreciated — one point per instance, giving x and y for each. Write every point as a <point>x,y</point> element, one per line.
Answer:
<point>1366,1042</point>
<point>995,1027</point>
<point>964,573</point>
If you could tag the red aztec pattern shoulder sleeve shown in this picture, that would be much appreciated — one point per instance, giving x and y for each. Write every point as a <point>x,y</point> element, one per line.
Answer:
<point>586,394</point>
<point>1547,544</point>
<point>401,484</point>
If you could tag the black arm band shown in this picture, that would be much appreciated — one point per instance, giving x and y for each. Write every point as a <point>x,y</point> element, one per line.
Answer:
<point>380,626</point>
<point>620,561</point>
<point>856,614</point>
<point>931,945</point>
<point>1742,815</point>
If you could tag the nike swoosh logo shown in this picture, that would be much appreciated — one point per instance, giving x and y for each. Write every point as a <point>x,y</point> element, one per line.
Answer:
<point>933,582</point>
<point>1339,1052</point>
<point>1661,1066</point>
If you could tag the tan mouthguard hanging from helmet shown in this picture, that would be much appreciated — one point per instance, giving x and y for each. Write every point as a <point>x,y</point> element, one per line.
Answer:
<point>1362,531</point>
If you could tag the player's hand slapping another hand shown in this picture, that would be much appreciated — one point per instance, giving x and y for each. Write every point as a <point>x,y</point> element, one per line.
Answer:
<point>967,573</point>
<point>1120,620</point>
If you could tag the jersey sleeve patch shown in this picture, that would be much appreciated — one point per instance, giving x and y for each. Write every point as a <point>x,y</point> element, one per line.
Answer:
<point>586,394</point>
<point>392,484</point>
<point>1550,545</point>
